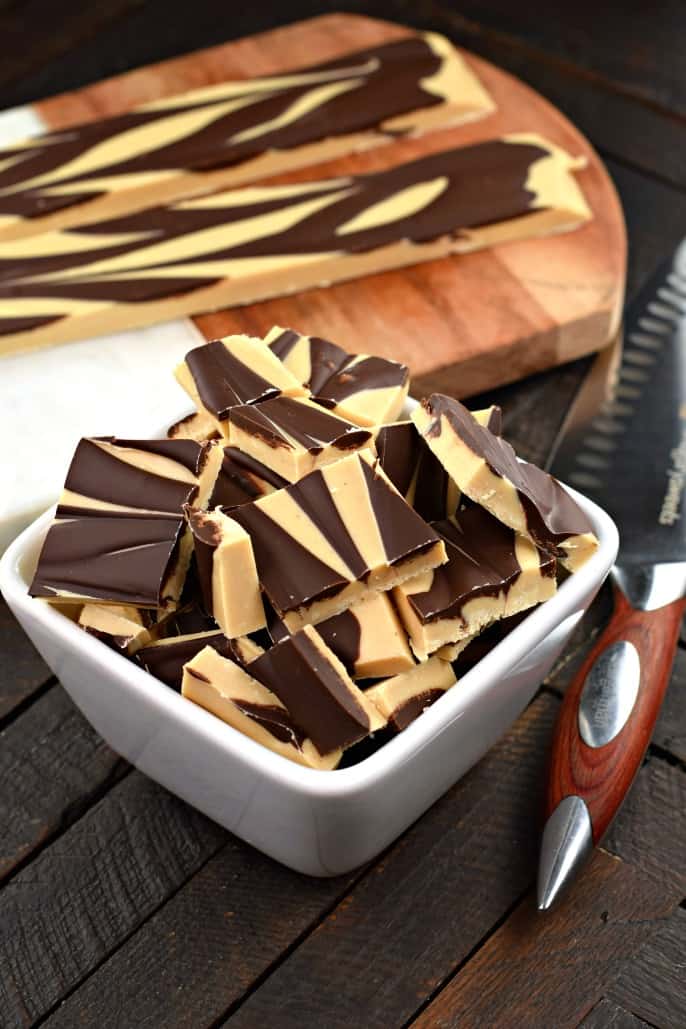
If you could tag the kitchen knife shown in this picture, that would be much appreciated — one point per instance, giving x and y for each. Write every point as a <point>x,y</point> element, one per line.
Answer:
<point>629,455</point>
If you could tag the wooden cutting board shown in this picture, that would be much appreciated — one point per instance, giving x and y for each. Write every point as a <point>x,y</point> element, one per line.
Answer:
<point>465,323</point>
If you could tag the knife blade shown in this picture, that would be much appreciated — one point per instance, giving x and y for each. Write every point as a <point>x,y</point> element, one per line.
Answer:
<point>624,445</point>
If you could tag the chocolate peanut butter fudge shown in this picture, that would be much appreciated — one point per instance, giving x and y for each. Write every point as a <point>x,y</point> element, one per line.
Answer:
<point>491,572</point>
<point>165,658</point>
<point>262,241</point>
<point>404,697</point>
<point>235,370</point>
<point>292,435</point>
<point>227,572</point>
<point>121,626</point>
<point>230,132</point>
<point>223,687</point>
<point>368,638</point>
<point>320,696</point>
<point>520,495</point>
<point>119,533</point>
<point>330,539</point>
<point>242,479</point>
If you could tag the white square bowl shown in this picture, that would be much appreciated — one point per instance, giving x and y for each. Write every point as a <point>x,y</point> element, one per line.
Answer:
<point>317,822</point>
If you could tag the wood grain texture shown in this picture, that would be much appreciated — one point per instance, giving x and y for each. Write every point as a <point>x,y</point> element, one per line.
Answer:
<point>207,946</point>
<point>493,316</point>
<point>670,731</point>
<point>607,1015</point>
<point>22,669</point>
<point>650,832</point>
<point>87,892</point>
<point>601,776</point>
<point>653,984</point>
<point>426,904</point>
<point>53,764</point>
<point>550,970</point>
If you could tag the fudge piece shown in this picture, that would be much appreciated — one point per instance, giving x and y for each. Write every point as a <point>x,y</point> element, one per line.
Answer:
<point>293,436</point>
<point>483,643</point>
<point>121,626</point>
<point>119,533</point>
<point>233,131</point>
<point>368,638</point>
<point>491,573</point>
<point>328,540</point>
<point>223,687</point>
<point>198,426</point>
<point>235,370</point>
<point>263,241</point>
<point>165,658</point>
<point>314,686</point>
<point>403,698</point>
<point>520,495</point>
<point>227,572</point>
<point>416,472</point>
<point>242,479</point>
<point>312,360</point>
<point>367,390</point>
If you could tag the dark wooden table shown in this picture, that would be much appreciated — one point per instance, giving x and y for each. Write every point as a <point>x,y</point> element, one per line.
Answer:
<point>123,907</point>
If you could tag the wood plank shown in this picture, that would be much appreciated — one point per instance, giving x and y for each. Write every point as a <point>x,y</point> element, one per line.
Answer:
<point>22,670</point>
<point>653,984</point>
<point>205,947</point>
<point>550,970</point>
<point>88,891</point>
<point>426,904</point>
<point>642,54</point>
<point>54,765</point>
<point>670,731</point>
<point>607,1015</point>
<point>650,831</point>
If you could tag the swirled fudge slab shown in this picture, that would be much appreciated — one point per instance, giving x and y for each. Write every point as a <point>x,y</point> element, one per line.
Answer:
<point>520,495</point>
<point>234,131</point>
<point>491,572</point>
<point>165,658</point>
<point>245,245</point>
<point>368,638</point>
<point>292,435</point>
<point>119,534</point>
<point>121,626</point>
<point>197,426</point>
<point>235,370</point>
<point>242,479</point>
<point>327,541</point>
<point>365,390</point>
<point>223,687</point>
<point>318,693</point>
<point>404,697</point>
<point>227,572</point>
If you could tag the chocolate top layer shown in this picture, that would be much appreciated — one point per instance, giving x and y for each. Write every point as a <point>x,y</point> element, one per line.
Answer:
<point>552,516</point>
<point>406,713</point>
<point>187,452</point>
<point>403,531</point>
<point>282,420</point>
<point>481,562</point>
<point>383,81</point>
<point>313,692</point>
<point>125,559</point>
<point>367,374</point>
<point>223,381</point>
<point>242,479</point>
<point>275,720</point>
<point>99,474</point>
<point>342,635</point>
<point>166,660</point>
<point>483,184</point>
<point>398,446</point>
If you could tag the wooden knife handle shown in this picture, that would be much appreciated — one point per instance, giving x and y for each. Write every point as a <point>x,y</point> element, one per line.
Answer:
<point>601,775</point>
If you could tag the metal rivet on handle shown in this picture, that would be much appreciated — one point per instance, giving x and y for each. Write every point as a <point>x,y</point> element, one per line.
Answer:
<point>609,694</point>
